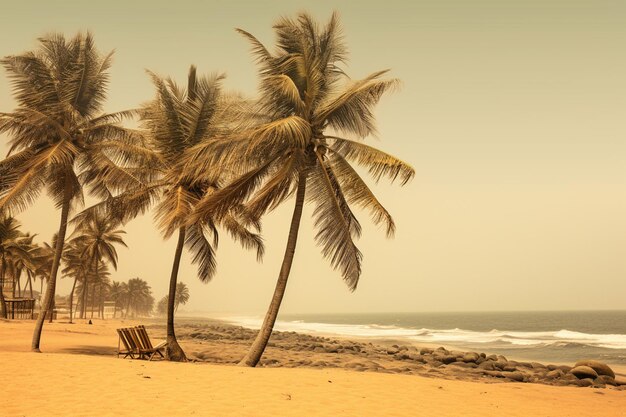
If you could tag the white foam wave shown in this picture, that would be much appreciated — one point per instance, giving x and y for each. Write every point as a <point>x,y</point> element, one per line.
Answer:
<point>452,336</point>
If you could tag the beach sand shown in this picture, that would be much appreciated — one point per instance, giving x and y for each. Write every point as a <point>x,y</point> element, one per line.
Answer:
<point>79,375</point>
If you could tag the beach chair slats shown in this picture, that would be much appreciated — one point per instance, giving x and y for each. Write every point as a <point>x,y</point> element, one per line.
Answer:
<point>137,343</point>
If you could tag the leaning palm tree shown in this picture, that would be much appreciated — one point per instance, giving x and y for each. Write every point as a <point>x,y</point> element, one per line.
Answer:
<point>308,102</point>
<point>59,138</point>
<point>182,295</point>
<point>177,120</point>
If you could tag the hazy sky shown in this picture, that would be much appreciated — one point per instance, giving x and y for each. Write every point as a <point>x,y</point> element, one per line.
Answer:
<point>513,113</point>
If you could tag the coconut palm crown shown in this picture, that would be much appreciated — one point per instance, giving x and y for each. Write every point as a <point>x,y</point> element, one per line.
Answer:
<point>177,120</point>
<point>308,106</point>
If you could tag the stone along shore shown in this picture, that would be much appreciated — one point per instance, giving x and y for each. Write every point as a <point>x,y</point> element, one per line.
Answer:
<point>222,343</point>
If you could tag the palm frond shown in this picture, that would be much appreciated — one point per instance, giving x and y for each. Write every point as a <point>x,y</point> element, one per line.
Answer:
<point>358,193</point>
<point>351,111</point>
<point>378,162</point>
<point>245,237</point>
<point>201,250</point>
<point>174,210</point>
<point>334,229</point>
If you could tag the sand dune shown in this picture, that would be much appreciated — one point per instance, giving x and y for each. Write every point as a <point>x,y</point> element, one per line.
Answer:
<point>79,375</point>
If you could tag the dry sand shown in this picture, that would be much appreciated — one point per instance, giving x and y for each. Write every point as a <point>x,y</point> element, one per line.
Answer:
<point>79,375</point>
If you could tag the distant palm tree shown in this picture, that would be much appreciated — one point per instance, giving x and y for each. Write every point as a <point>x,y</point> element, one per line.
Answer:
<point>44,256</point>
<point>161,307</point>
<point>10,249</point>
<point>308,101</point>
<point>182,295</point>
<point>97,236</point>
<point>23,261</point>
<point>177,120</point>
<point>139,297</point>
<point>116,294</point>
<point>60,140</point>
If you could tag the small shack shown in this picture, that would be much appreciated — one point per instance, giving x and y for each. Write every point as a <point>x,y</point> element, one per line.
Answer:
<point>20,308</point>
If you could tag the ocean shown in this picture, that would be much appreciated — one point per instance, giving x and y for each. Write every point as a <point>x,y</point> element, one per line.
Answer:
<point>554,336</point>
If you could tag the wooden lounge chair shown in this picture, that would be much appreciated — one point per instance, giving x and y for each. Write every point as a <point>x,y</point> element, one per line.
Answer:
<point>130,348</point>
<point>145,344</point>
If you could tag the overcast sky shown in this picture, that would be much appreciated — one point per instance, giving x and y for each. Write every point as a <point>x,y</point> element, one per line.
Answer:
<point>513,113</point>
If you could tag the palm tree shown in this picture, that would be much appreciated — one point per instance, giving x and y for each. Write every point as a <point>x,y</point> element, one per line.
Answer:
<point>75,267</point>
<point>161,308</point>
<point>22,261</point>
<point>307,101</point>
<point>177,120</point>
<point>116,294</point>
<point>43,260</point>
<point>97,236</point>
<point>10,249</point>
<point>139,297</point>
<point>59,138</point>
<point>182,295</point>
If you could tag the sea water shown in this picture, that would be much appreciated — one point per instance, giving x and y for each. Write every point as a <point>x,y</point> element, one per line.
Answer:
<point>555,336</point>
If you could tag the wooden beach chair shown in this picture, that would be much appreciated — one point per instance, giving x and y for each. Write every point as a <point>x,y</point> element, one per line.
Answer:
<point>145,344</point>
<point>130,348</point>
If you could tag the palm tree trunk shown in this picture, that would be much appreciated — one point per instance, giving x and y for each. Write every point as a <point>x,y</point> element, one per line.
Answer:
<point>72,297</point>
<point>48,300</point>
<point>173,350</point>
<point>83,297</point>
<point>19,284</point>
<point>128,305</point>
<point>3,306</point>
<point>101,302</point>
<point>51,310</point>
<point>30,283</point>
<point>258,346</point>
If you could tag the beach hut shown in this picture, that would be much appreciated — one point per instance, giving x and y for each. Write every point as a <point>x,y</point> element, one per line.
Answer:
<point>20,308</point>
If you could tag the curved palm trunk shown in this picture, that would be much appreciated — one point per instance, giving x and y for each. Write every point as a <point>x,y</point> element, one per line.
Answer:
<point>72,298</point>
<point>173,350</point>
<point>258,346</point>
<point>3,306</point>
<point>48,300</point>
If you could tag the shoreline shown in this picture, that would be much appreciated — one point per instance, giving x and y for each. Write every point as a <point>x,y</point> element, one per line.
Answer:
<point>78,374</point>
<point>619,368</point>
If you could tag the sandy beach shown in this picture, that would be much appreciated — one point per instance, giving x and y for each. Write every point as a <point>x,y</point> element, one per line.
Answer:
<point>79,374</point>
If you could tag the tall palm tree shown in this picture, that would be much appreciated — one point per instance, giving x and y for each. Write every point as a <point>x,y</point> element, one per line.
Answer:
<point>307,101</point>
<point>182,295</point>
<point>60,140</point>
<point>177,120</point>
